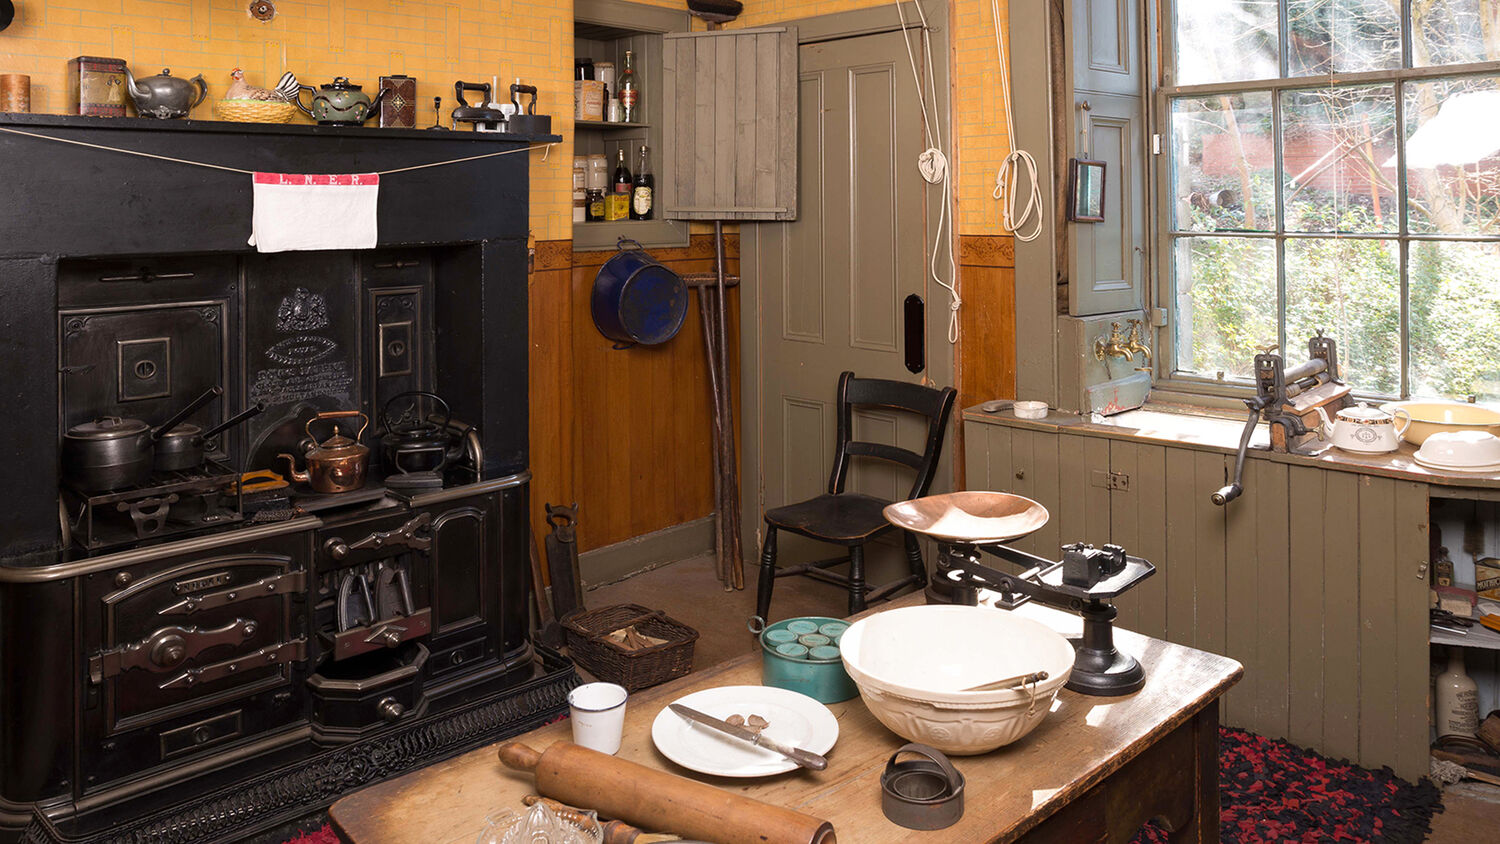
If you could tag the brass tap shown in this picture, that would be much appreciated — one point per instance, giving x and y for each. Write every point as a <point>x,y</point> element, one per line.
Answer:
<point>1113,347</point>
<point>1134,344</point>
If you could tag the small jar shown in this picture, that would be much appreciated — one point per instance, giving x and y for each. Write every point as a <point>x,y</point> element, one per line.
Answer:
<point>814,640</point>
<point>802,626</point>
<point>595,211</point>
<point>793,650</point>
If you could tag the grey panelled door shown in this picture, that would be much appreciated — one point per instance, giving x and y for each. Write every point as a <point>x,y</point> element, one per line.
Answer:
<point>829,287</point>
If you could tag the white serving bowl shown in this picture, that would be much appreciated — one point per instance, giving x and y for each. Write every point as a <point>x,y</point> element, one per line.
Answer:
<point>1460,450</point>
<point>912,663</point>
<point>1432,417</point>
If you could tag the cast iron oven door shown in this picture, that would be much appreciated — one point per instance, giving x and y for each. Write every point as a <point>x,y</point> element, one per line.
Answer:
<point>210,630</point>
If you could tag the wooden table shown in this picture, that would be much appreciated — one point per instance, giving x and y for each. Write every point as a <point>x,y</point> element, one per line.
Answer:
<point>1094,770</point>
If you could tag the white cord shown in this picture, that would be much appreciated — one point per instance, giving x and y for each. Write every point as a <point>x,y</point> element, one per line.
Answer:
<point>1007,176</point>
<point>933,164</point>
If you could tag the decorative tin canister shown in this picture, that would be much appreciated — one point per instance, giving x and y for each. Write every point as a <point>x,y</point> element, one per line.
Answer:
<point>816,671</point>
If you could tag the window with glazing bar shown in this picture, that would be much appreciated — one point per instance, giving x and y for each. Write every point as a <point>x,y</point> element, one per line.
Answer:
<point>1333,165</point>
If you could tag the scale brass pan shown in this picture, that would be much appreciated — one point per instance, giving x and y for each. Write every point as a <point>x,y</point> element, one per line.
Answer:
<point>975,517</point>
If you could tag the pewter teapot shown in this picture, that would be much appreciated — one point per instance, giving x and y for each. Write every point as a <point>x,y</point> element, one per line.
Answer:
<point>165,96</point>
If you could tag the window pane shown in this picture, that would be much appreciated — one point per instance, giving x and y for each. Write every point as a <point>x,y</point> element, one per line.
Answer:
<point>1342,36</point>
<point>1226,303</point>
<point>1455,31</point>
<point>1338,150</point>
<point>1225,41</point>
<point>1453,155</point>
<point>1351,291</point>
<point>1455,319</point>
<point>1223,163</point>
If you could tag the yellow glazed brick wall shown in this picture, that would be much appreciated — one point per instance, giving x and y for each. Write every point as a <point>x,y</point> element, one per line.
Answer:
<point>438,43</point>
<point>978,114</point>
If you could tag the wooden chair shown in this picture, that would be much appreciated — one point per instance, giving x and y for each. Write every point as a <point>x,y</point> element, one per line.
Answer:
<point>852,519</point>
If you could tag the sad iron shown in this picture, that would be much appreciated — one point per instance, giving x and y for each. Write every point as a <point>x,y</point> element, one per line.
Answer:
<point>491,119</point>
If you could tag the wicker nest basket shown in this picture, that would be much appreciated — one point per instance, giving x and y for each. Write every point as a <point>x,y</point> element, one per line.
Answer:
<point>255,111</point>
<point>590,646</point>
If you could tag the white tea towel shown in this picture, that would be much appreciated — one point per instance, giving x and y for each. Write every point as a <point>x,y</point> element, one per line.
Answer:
<point>310,211</point>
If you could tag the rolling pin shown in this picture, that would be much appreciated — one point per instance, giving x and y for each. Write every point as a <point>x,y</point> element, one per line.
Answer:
<point>657,800</point>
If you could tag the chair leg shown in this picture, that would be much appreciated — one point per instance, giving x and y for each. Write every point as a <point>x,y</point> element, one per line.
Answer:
<point>914,558</point>
<point>767,575</point>
<point>856,579</point>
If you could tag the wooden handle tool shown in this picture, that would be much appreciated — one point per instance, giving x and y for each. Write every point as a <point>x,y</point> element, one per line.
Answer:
<point>654,799</point>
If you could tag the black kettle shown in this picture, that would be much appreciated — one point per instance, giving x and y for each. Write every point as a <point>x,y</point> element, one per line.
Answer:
<point>417,436</point>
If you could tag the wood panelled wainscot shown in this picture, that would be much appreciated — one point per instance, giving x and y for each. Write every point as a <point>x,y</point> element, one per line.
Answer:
<point>626,433</point>
<point>1315,579</point>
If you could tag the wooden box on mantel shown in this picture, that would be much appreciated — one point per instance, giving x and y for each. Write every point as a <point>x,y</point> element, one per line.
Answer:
<point>730,100</point>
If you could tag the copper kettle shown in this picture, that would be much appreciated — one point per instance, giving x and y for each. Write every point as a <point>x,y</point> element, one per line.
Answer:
<point>338,464</point>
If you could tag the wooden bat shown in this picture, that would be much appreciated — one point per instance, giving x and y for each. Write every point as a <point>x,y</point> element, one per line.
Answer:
<point>654,799</point>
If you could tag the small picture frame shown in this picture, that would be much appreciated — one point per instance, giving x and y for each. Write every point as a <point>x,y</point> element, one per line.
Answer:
<point>1085,190</point>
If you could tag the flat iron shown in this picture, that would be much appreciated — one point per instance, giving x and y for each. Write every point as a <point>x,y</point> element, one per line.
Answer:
<point>526,121</point>
<point>492,119</point>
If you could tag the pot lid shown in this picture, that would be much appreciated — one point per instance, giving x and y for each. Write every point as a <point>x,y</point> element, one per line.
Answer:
<point>340,83</point>
<point>1364,413</point>
<point>338,445</point>
<point>108,428</point>
<point>183,430</point>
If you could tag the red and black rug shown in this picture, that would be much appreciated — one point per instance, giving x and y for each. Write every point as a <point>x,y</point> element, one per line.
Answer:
<point>1270,790</point>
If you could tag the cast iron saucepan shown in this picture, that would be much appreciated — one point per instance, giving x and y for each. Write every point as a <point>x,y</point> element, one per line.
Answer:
<point>115,452</point>
<point>183,447</point>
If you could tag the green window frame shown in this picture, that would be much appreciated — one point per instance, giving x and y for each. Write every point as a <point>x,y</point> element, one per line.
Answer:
<point>1305,199</point>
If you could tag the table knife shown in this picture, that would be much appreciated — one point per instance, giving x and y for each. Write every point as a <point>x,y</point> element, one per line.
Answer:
<point>802,757</point>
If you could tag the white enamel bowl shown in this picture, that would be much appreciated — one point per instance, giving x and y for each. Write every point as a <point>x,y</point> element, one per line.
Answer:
<point>1463,451</point>
<point>912,663</point>
<point>1431,417</point>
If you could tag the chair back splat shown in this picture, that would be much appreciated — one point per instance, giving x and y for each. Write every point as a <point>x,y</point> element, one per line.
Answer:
<point>934,404</point>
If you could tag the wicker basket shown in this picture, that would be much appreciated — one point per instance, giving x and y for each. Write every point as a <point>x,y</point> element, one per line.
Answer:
<point>590,646</point>
<point>255,111</point>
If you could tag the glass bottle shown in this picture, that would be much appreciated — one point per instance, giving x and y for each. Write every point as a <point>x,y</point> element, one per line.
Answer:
<point>619,197</point>
<point>630,95</point>
<point>643,197</point>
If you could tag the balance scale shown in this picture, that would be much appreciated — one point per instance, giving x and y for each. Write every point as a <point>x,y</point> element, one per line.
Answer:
<point>967,525</point>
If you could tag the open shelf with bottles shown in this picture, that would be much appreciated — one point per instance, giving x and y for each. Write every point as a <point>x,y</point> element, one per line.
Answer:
<point>603,30</point>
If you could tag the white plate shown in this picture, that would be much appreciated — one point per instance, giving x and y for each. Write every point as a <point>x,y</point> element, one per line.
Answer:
<point>1449,467</point>
<point>795,719</point>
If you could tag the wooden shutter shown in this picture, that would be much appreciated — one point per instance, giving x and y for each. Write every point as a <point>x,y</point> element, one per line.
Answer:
<point>1108,261</point>
<point>730,147</point>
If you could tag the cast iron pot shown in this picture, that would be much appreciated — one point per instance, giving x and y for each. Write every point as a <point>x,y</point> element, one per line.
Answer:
<point>636,300</point>
<point>115,452</point>
<point>182,448</point>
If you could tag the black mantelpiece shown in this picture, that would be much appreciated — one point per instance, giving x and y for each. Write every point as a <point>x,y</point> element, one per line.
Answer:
<point>91,753</point>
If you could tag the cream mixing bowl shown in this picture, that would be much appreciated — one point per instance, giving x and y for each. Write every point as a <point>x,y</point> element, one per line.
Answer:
<point>913,664</point>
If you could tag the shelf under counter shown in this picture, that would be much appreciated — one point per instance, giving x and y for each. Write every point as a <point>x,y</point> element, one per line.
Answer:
<point>605,124</point>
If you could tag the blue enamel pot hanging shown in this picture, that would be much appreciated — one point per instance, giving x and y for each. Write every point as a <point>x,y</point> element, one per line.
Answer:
<point>636,300</point>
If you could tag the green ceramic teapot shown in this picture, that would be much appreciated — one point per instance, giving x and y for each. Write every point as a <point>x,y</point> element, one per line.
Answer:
<point>339,103</point>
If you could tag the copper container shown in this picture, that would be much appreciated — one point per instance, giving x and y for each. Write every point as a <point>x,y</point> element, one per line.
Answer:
<point>15,92</point>
<point>96,86</point>
<point>398,108</point>
<point>338,463</point>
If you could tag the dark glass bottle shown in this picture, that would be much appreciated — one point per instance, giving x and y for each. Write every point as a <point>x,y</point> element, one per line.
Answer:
<point>618,205</point>
<point>623,181</point>
<point>643,197</point>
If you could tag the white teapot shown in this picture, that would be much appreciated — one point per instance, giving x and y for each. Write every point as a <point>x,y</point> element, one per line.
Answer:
<point>1364,429</point>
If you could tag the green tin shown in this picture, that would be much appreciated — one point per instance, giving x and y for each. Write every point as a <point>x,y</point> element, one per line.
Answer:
<point>819,675</point>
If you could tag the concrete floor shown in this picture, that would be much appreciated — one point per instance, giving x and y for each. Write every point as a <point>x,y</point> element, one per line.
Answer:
<point>689,592</point>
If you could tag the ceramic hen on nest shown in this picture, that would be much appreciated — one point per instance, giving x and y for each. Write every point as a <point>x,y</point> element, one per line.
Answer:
<point>253,104</point>
<point>285,90</point>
